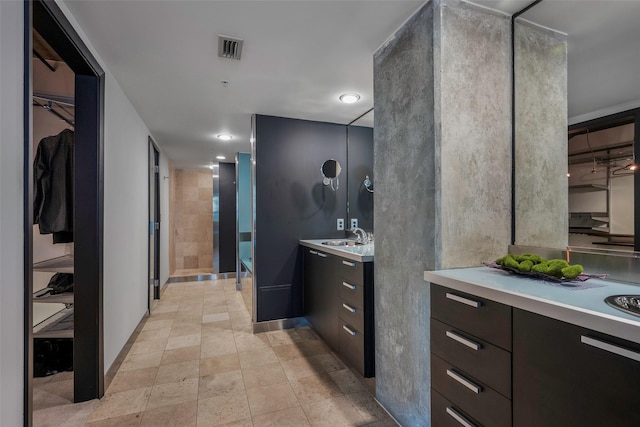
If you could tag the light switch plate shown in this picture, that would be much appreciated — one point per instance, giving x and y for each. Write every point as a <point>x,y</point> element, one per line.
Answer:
<point>340,224</point>
<point>354,223</point>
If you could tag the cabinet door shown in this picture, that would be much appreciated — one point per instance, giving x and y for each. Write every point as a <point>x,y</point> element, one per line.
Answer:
<point>319,295</point>
<point>562,378</point>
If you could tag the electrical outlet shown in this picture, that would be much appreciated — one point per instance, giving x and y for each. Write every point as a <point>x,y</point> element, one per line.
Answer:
<point>340,224</point>
<point>354,223</point>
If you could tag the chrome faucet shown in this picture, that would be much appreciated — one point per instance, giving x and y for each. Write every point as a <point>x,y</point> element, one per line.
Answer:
<point>361,235</point>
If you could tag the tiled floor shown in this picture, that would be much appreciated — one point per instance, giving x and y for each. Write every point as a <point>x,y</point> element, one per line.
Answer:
<point>196,363</point>
<point>192,272</point>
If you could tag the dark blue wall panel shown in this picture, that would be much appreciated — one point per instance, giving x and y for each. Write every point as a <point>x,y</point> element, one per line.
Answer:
<point>292,204</point>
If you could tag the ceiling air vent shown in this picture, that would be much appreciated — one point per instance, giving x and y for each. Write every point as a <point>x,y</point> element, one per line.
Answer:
<point>229,47</point>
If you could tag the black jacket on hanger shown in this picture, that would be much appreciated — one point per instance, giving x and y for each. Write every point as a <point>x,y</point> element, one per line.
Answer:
<point>53,169</point>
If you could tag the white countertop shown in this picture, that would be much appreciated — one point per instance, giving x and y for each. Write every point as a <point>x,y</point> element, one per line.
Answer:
<point>582,307</point>
<point>361,253</point>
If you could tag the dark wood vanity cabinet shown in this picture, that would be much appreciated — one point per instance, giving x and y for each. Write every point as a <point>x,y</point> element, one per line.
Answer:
<point>338,297</point>
<point>566,375</point>
<point>495,365</point>
<point>470,360</point>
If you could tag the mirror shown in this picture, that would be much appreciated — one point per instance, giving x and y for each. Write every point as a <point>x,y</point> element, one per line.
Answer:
<point>331,169</point>
<point>603,105</point>
<point>361,181</point>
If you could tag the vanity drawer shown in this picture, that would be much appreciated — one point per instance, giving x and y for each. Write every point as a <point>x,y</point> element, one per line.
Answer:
<point>351,293</point>
<point>351,314</point>
<point>351,342</point>
<point>349,271</point>
<point>486,362</point>
<point>483,403</point>
<point>445,414</point>
<point>483,318</point>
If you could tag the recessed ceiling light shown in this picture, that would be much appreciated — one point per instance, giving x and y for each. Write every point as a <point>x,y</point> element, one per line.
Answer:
<point>220,157</point>
<point>349,98</point>
<point>225,137</point>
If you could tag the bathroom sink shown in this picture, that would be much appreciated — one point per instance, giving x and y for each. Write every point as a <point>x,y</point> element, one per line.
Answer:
<point>627,303</point>
<point>342,243</point>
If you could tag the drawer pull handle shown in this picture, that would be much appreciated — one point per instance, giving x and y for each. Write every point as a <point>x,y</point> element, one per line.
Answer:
<point>349,330</point>
<point>465,382</point>
<point>349,285</point>
<point>350,264</point>
<point>467,301</point>
<point>611,348</point>
<point>320,254</point>
<point>463,340</point>
<point>313,252</point>
<point>349,308</point>
<point>459,417</point>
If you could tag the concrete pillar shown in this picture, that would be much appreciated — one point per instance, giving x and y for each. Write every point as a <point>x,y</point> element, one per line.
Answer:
<point>442,149</point>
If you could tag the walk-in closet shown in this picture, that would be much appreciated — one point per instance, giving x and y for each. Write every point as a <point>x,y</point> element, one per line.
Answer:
<point>63,220</point>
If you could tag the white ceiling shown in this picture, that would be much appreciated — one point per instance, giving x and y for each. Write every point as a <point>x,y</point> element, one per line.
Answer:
<point>300,55</point>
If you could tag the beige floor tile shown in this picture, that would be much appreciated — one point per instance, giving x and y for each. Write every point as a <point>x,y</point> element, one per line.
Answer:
<point>121,403</point>
<point>271,398</point>
<point>249,359</point>
<point>347,381</point>
<point>182,415</point>
<point>247,422</point>
<point>214,308</point>
<point>260,376</point>
<point>283,337</point>
<point>218,364</point>
<point>367,407</point>
<point>141,361</point>
<point>165,308</point>
<point>43,399</point>
<point>315,387</point>
<point>218,345</point>
<point>226,409</point>
<point>67,415</point>
<point>185,329</point>
<point>182,354</point>
<point>215,317</point>
<point>157,324</point>
<point>291,417</point>
<point>149,346</point>
<point>219,384</point>
<point>313,365</point>
<point>249,342</point>
<point>386,422</point>
<point>301,349</point>
<point>337,411</point>
<point>173,393</point>
<point>239,314</point>
<point>211,329</point>
<point>242,325</point>
<point>183,341</point>
<point>130,380</point>
<point>176,372</point>
<point>64,389</point>
<point>153,334</point>
<point>132,420</point>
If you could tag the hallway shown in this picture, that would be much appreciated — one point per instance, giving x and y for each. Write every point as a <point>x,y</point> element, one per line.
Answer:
<point>196,363</point>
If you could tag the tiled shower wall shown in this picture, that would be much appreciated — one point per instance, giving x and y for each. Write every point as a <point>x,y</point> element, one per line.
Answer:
<point>193,209</point>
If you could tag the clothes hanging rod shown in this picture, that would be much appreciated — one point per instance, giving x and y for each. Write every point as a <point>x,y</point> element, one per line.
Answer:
<point>64,100</point>
<point>44,61</point>
<point>54,112</point>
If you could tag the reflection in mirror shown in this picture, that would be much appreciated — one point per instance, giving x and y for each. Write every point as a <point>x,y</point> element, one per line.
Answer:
<point>603,104</point>
<point>360,171</point>
<point>330,171</point>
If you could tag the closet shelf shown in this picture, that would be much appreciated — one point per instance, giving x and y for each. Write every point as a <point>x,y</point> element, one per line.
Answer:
<point>60,325</point>
<point>62,264</point>
<point>44,296</point>
<point>587,188</point>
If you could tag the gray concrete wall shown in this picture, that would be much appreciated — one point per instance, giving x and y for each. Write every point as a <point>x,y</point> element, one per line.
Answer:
<point>405,213</point>
<point>475,142</point>
<point>442,167</point>
<point>541,137</point>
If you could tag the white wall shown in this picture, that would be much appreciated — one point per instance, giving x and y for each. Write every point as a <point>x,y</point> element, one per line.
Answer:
<point>125,212</point>
<point>11,213</point>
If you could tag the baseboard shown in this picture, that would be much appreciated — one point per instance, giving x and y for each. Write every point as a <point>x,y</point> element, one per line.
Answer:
<point>203,277</point>
<point>279,324</point>
<point>387,411</point>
